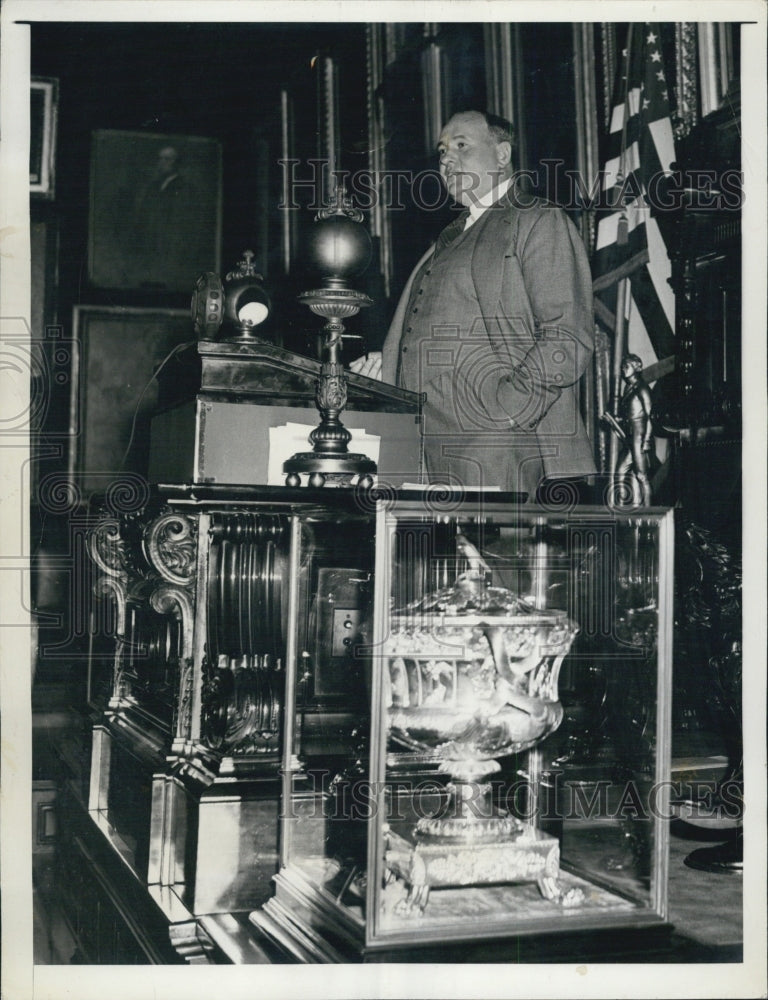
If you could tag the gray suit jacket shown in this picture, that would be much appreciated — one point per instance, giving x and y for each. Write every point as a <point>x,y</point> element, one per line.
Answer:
<point>533,283</point>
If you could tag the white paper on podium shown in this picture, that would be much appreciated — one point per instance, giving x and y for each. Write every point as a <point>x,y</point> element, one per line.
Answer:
<point>287,439</point>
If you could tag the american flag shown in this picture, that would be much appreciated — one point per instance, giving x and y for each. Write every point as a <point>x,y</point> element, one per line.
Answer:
<point>633,232</point>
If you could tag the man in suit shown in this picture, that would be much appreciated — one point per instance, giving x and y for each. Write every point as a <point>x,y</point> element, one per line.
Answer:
<point>495,325</point>
<point>169,238</point>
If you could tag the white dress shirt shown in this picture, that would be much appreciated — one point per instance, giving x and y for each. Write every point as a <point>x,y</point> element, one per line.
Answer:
<point>477,208</point>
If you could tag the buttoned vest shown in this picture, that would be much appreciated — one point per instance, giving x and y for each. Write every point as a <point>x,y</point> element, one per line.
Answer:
<point>442,309</point>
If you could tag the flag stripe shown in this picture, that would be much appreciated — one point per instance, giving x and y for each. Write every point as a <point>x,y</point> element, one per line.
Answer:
<point>606,316</point>
<point>658,266</point>
<point>623,270</point>
<point>664,141</point>
<point>656,323</point>
<point>638,153</point>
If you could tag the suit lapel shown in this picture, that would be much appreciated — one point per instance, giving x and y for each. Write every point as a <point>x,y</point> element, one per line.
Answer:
<point>487,259</point>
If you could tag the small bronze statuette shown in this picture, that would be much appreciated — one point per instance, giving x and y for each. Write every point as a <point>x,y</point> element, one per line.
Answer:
<point>633,425</point>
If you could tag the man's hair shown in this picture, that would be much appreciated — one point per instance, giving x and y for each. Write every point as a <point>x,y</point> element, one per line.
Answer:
<point>634,360</point>
<point>500,129</point>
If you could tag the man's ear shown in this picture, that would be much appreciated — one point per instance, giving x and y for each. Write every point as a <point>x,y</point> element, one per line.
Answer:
<point>504,153</point>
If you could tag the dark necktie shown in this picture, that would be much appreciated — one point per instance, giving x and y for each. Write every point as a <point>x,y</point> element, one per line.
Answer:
<point>452,230</point>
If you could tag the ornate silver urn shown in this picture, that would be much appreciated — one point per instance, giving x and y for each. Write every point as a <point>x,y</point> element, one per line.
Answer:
<point>471,676</point>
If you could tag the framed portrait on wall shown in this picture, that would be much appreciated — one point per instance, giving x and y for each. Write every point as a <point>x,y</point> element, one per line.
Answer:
<point>117,352</point>
<point>155,210</point>
<point>43,109</point>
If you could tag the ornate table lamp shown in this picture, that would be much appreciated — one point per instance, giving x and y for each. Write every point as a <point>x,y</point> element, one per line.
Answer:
<point>339,248</point>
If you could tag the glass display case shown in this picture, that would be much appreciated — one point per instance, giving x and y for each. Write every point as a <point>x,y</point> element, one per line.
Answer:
<point>476,737</point>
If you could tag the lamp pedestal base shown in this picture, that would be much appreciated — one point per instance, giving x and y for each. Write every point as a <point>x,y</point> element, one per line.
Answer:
<point>329,470</point>
<point>329,464</point>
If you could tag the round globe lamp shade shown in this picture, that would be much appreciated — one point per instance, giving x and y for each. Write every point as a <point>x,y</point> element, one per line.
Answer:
<point>338,248</point>
<point>247,303</point>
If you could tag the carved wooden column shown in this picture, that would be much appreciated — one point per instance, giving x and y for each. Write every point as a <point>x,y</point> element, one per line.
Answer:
<point>107,549</point>
<point>683,282</point>
<point>170,545</point>
<point>144,603</point>
<point>686,78</point>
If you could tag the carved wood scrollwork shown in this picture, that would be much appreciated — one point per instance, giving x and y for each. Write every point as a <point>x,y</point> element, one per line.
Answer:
<point>116,589</point>
<point>119,686</point>
<point>170,547</point>
<point>107,547</point>
<point>686,45</point>
<point>168,599</point>
<point>146,562</point>
<point>708,648</point>
<point>182,723</point>
<point>241,708</point>
<point>215,702</point>
<point>169,543</point>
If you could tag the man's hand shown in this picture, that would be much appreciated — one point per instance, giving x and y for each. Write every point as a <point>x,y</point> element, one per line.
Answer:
<point>368,365</point>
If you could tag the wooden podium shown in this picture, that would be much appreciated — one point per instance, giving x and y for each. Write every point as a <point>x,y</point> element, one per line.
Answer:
<point>222,400</point>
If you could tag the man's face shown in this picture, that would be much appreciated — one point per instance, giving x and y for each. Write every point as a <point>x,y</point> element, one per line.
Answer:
<point>471,162</point>
<point>166,161</point>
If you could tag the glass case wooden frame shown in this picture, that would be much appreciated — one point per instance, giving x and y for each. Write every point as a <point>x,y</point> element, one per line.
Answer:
<point>379,854</point>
